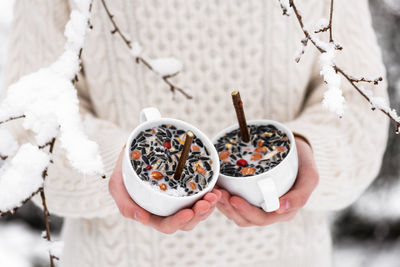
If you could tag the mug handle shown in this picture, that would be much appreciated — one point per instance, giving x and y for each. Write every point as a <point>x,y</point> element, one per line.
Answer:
<point>149,114</point>
<point>270,194</point>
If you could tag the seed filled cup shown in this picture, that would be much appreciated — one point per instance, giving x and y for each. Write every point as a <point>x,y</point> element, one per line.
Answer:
<point>151,157</point>
<point>262,169</point>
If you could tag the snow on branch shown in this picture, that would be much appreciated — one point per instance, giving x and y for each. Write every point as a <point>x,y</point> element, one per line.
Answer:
<point>285,5</point>
<point>22,177</point>
<point>333,97</point>
<point>47,102</point>
<point>8,145</point>
<point>166,68</point>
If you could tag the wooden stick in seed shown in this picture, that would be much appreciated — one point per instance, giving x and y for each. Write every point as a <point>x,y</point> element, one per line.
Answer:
<point>238,104</point>
<point>184,155</point>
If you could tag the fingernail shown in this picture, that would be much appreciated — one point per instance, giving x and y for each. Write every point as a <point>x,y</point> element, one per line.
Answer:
<point>135,216</point>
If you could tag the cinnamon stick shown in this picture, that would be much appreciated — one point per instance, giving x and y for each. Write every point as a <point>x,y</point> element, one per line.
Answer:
<point>238,104</point>
<point>184,154</point>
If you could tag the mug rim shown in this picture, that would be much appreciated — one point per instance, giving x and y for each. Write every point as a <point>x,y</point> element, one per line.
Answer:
<point>252,122</point>
<point>197,132</point>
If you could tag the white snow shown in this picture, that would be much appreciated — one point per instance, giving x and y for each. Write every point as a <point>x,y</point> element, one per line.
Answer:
<point>380,103</point>
<point>333,98</point>
<point>20,246</point>
<point>50,104</point>
<point>322,23</point>
<point>136,49</point>
<point>22,176</point>
<point>285,5</point>
<point>165,66</point>
<point>300,51</point>
<point>55,248</point>
<point>8,145</point>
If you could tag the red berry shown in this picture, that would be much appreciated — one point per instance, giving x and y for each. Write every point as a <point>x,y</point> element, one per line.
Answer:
<point>241,163</point>
<point>167,144</point>
<point>148,168</point>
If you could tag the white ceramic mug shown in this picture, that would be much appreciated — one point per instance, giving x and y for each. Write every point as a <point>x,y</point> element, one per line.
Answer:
<point>142,193</point>
<point>263,190</point>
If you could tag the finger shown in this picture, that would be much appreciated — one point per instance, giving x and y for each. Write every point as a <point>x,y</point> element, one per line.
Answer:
<point>257,216</point>
<point>296,198</point>
<point>218,193</point>
<point>201,209</point>
<point>125,204</point>
<point>171,224</point>
<point>227,209</point>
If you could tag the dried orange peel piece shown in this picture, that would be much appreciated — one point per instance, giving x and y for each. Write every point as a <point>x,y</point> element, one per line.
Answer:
<point>248,171</point>
<point>135,155</point>
<point>200,170</point>
<point>224,154</point>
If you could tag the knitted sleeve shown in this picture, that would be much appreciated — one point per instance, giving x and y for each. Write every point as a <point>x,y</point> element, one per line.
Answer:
<point>36,41</point>
<point>348,151</point>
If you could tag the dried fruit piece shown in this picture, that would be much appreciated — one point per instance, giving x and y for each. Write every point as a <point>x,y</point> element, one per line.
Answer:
<point>163,187</point>
<point>182,142</point>
<point>200,170</point>
<point>260,143</point>
<point>256,156</point>
<point>192,185</point>
<point>266,134</point>
<point>135,155</point>
<point>195,148</point>
<point>285,138</point>
<point>224,154</point>
<point>241,163</point>
<point>148,168</point>
<point>281,149</point>
<point>248,170</point>
<point>167,144</point>
<point>261,149</point>
<point>157,175</point>
<point>228,146</point>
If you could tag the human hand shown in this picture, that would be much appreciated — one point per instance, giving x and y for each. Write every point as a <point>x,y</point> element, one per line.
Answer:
<point>245,214</point>
<point>185,219</point>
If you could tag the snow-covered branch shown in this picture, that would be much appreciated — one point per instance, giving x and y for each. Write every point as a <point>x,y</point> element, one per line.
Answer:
<point>47,102</point>
<point>333,98</point>
<point>166,68</point>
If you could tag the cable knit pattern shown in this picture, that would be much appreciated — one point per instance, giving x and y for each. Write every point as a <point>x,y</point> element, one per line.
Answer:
<point>224,45</point>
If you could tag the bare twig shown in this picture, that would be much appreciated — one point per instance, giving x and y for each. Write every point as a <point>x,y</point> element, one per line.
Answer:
<point>238,105</point>
<point>45,210</point>
<point>184,155</point>
<point>362,79</point>
<point>12,118</point>
<point>330,25</point>
<point>51,144</point>
<point>138,59</point>
<point>353,81</point>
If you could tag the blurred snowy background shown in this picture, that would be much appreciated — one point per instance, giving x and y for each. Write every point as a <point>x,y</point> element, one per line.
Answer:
<point>366,234</point>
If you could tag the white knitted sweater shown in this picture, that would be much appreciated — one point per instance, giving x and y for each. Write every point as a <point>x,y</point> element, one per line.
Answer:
<point>224,45</point>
